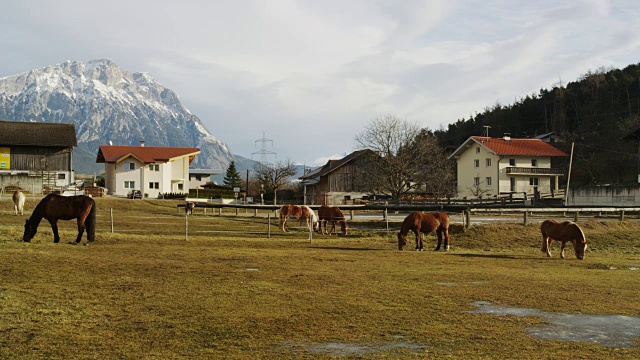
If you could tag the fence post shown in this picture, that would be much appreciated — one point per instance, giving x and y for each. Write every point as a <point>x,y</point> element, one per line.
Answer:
<point>468,219</point>
<point>621,215</point>
<point>269,225</point>
<point>351,213</point>
<point>111,218</point>
<point>186,227</point>
<point>255,212</point>
<point>220,211</point>
<point>525,218</point>
<point>575,216</point>
<point>236,211</point>
<point>384,215</point>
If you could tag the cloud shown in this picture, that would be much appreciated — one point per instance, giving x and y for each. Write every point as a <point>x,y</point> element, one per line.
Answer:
<point>312,74</point>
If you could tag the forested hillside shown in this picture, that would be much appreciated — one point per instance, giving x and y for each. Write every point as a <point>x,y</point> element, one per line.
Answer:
<point>594,112</point>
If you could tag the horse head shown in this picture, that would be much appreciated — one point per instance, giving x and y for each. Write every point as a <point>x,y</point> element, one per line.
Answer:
<point>29,231</point>
<point>402,241</point>
<point>580,246</point>
<point>344,227</point>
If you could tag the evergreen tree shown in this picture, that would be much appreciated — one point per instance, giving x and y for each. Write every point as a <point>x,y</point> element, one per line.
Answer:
<point>232,178</point>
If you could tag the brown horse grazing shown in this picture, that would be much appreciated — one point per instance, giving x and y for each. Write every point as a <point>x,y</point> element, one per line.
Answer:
<point>188,207</point>
<point>564,232</point>
<point>56,207</point>
<point>302,213</point>
<point>328,213</point>
<point>425,223</point>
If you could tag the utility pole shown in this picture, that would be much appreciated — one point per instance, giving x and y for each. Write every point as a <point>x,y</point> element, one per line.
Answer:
<point>566,191</point>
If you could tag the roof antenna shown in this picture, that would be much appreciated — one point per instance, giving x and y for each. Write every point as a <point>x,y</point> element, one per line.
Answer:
<point>486,131</point>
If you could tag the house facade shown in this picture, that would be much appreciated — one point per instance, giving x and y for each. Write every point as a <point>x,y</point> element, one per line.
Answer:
<point>335,183</point>
<point>198,178</point>
<point>36,157</point>
<point>488,167</point>
<point>153,170</point>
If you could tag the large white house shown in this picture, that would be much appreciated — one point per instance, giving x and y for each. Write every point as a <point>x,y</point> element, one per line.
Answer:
<point>494,166</point>
<point>151,169</point>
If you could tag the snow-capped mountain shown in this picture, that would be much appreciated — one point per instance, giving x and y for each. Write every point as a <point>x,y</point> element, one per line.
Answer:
<point>108,104</point>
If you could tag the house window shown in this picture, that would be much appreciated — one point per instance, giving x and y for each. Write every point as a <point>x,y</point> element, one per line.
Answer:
<point>476,181</point>
<point>478,150</point>
<point>198,177</point>
<point>533,181</point>
<point>512,162</point>
<point>154,185</point>
<point>488,162</point>
<point>129,184</point>
<point>534,162</point>
<point>180,187</point>
<point>513,184</point>
<point>62,176</point>
<point>154,167</point>
<point>129,166</point>
<point>488,180</point>
<point>476,163</point>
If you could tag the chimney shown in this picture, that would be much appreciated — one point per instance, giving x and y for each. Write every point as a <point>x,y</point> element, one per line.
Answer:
<point>142,143</point>
<point>507,137</point>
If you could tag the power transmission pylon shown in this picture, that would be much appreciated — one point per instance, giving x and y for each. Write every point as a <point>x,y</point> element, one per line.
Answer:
<point>263,150</point>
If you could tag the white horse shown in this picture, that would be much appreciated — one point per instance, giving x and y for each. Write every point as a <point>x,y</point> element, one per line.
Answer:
<point>314,218</point>
<point>18,201</point>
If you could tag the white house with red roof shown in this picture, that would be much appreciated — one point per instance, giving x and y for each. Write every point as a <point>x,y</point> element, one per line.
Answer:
<point>151,169</point>
<point>496,166</point>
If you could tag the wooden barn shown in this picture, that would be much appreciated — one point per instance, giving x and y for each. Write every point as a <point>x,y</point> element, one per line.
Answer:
<point>36,157</point>
<point>335,183</point>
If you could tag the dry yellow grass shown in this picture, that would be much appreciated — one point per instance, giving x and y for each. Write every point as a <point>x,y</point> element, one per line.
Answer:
<point>146,293</point>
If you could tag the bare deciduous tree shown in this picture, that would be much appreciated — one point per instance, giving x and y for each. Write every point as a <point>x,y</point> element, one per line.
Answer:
<point>403,158</point>
<point>274,177</point>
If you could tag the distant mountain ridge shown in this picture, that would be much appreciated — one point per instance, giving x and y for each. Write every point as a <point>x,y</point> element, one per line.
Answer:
<point>108,104</point>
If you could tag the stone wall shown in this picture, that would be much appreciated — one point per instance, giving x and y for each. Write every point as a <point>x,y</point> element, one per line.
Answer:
<point>604,196</point>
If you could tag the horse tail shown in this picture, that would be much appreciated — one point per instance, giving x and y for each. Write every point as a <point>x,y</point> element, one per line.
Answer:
<point>90,222</point>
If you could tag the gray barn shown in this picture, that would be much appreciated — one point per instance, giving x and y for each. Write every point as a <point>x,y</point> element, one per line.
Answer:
<point>36,157</point>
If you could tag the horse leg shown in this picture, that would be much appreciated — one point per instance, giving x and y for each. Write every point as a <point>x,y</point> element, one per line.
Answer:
<point>81,228</point>
<point>418,241</point>
<point>562,249</point>
<point>439,233</point>
<point>54,228</point>
<point>546,245</point>
<point>333,227</point>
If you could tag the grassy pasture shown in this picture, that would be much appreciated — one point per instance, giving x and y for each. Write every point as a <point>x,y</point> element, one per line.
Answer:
<point>146,293</point>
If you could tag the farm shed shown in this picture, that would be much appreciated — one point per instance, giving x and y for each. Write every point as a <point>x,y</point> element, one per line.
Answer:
<point>335,183</point>
<point>36,157</point>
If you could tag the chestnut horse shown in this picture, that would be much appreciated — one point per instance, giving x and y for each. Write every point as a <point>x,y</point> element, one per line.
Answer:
<point>564,232</point>
<point>56,207</point>
<point>328,213</point>
<point>425,223</point>
<point>302,213</point>
<point>18,201</point>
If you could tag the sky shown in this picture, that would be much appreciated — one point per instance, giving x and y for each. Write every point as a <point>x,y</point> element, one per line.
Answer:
<point>310,75</point>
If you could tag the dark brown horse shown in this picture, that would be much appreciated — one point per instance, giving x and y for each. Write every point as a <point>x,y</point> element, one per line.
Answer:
<point>302,213</point>
<point>55,207</point>
<point>188,207</point>
<point>564,232</point>
<point>426,224</point>
<point>333,214</point>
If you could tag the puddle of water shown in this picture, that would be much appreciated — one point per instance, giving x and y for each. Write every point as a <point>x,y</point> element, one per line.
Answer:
<point>607,330</point>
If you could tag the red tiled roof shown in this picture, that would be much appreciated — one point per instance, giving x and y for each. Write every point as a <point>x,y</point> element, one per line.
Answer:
<point>514,146</point>
<point>145,154</point>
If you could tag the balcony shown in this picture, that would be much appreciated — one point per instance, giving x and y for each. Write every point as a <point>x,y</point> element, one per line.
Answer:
<point>534,171</point>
